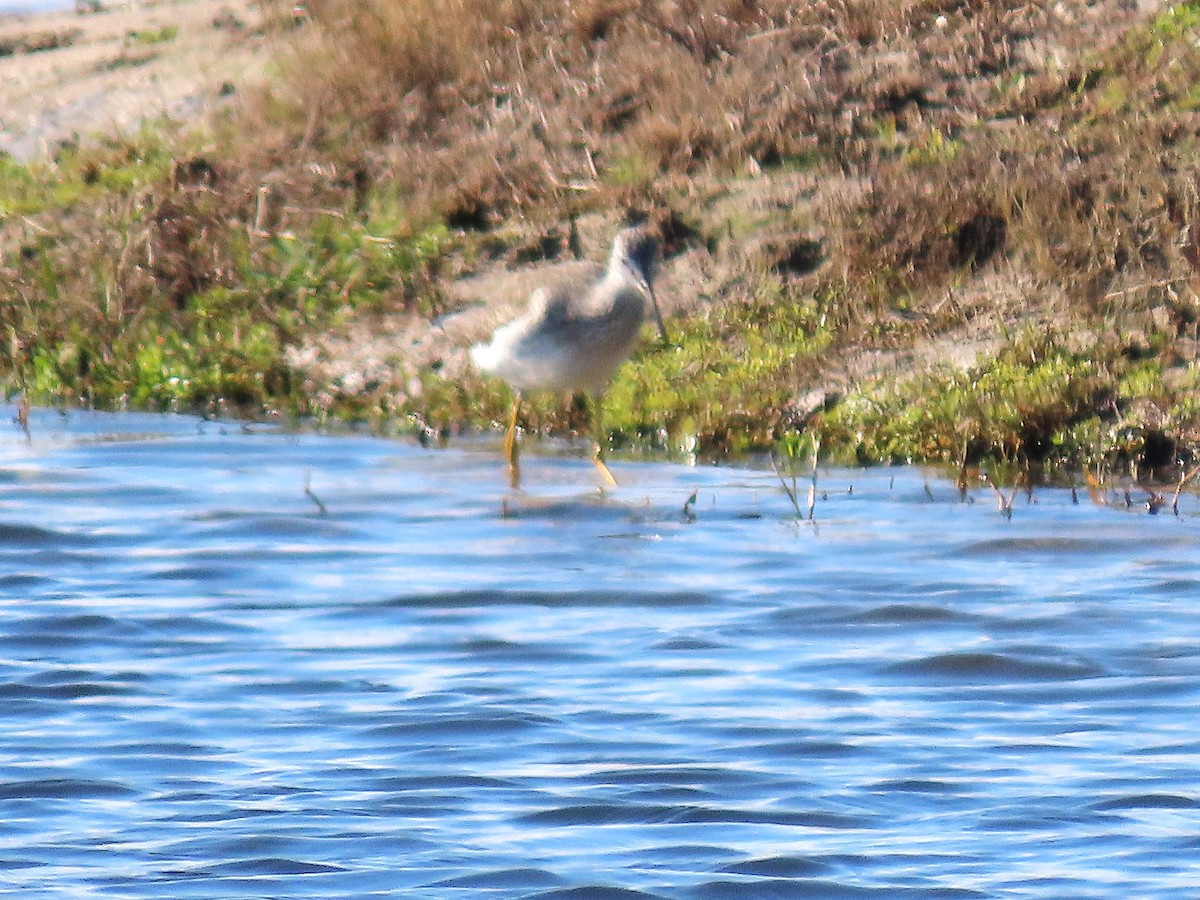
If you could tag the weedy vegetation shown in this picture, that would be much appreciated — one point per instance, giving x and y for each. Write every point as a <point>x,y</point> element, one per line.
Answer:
<point>787,459</point>
<point>931,230</point>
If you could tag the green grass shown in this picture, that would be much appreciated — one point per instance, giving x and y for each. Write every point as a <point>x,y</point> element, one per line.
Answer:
<point>1035,402</point>
<point>104,329</point>
<point>152,36</point>
<point>724,382</point>
<point>87,171</point>
<point>1007,406</point>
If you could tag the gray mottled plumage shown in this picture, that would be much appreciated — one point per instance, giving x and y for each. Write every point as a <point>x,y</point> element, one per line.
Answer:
<point>574,334</point>
<point>577,331</point>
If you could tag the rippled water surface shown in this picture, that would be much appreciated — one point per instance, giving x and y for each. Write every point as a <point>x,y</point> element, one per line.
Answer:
<point>212,688</point>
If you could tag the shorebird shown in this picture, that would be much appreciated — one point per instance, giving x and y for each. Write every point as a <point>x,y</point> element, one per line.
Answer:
<point>574,334</point>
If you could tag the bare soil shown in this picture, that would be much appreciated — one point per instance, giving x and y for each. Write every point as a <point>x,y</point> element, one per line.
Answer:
<point>65,75</point>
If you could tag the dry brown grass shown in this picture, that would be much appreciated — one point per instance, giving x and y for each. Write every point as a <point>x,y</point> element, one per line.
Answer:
<point>888,162</point>
<point>542,107</point>
<point>1092,193</point>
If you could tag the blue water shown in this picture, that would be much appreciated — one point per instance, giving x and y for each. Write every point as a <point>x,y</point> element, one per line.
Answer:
<point>27,6</point>
<point>212,688</point>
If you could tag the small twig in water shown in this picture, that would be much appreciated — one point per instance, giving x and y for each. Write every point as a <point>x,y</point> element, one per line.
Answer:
<point>1097,492</point>
<point>962,471</point>
<point>23,416</point>
<point>786,471</point>
<point>1183,479</point>
<point>1004,504</point>
<point>688,515</point>
<point>308,492</point>
<point>789,489</point>
<point>815,439</point>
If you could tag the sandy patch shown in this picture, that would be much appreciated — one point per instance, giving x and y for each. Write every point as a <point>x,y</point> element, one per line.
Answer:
<point>64,75</point>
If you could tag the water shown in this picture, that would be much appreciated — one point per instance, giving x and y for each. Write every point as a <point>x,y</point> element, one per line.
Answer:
<point>211,689</point>
<point>8,7</point>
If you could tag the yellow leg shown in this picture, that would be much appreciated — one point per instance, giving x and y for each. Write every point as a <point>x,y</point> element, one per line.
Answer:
<point>601,440</point>
<point>510,444</point>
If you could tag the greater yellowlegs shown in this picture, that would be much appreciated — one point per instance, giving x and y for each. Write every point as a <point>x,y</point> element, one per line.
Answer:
<point>575,333</point>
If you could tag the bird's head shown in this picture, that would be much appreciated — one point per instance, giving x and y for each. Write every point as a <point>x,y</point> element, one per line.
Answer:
<point>636,250</point>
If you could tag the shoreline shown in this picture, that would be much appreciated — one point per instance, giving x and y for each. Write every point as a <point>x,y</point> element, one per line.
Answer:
<point>921,262</point>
